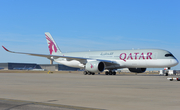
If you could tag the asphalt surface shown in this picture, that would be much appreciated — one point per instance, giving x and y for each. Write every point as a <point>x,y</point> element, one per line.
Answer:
<point>9,104</point>
<point>24,91</point>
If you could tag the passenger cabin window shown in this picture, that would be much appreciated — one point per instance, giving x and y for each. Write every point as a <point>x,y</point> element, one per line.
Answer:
<point>169,55</point>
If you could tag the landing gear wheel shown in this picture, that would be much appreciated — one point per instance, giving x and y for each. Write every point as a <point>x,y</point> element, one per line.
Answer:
<point>110,73</point>
<point>114,73</point>
<point>107,73</point>
<point>85,73</point>
<point>93,73</point>
<point>166,74</point>
<point>89,73</point>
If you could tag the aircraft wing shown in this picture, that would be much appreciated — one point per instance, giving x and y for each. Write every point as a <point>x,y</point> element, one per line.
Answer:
<point>81,59</point>
<point>48,56</point>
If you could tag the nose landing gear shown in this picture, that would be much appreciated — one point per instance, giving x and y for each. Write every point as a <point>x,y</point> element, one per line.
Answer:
<point>166,71</point>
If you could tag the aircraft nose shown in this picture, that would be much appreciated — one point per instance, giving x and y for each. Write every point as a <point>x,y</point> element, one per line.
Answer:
<point>174,62</point>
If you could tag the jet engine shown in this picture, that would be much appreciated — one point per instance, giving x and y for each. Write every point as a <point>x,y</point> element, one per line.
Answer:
<point>137,70</point>
<point>95,66</point>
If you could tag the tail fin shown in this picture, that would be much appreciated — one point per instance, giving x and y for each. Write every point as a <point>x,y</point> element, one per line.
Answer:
<point>53,48</point>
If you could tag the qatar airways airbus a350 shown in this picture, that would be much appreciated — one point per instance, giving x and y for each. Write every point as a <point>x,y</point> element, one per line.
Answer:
<point>98,61</point>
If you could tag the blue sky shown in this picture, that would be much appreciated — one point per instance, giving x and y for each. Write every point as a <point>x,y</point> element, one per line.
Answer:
<point>83,25</point>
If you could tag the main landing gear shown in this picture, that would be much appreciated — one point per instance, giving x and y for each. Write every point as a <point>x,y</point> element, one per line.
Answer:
<point>110,73</point>
<point>88,73</point>
<point>106,73</point>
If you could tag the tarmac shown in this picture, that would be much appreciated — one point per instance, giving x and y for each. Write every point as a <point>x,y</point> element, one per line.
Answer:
<point>75,91</point>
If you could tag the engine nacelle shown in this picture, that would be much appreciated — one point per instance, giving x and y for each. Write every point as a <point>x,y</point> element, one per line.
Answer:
<point>137,70</point>
<point>95,66</point>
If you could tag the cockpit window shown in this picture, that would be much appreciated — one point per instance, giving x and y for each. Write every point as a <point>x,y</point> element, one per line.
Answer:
<point>169,55</point>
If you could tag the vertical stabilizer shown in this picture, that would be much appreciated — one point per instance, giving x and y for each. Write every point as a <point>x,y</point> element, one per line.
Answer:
<point>53,48</point>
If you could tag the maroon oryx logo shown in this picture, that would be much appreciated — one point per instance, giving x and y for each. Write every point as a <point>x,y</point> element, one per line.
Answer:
<point>51,45</point>
<point>92,66</point>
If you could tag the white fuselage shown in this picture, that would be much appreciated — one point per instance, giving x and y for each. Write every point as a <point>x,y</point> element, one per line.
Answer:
<point>142,58</point>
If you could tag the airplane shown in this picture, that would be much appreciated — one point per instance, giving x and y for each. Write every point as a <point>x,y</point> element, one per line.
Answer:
<point>97,61</point>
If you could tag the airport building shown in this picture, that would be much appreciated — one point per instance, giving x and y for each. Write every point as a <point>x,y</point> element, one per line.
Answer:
<point>33,66</point>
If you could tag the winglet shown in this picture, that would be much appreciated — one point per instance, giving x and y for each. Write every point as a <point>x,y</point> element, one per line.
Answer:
<point>5,48</point>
